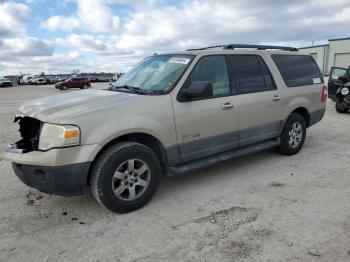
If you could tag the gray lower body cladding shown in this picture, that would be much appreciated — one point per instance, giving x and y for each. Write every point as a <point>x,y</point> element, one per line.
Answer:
<point>210,160</point>
<point>67,180</point>
<point>206,147</point>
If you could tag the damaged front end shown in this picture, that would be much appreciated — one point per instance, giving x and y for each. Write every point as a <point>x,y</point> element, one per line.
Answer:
<point>29,129</point>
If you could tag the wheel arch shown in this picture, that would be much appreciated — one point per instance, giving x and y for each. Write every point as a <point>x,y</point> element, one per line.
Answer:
<point>139,137</point>
<point>304,113</point>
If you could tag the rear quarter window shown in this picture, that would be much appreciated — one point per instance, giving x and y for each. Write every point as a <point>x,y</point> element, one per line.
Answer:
<point>298,70</point>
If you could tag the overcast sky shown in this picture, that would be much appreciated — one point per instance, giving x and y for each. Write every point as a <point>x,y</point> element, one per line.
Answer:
<point>112,35</point>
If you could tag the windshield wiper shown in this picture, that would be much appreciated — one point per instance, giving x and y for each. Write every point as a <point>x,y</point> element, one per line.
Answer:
<point>131,88</point>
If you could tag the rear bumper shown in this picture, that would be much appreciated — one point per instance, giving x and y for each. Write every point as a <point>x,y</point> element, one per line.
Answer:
<point>67,180</point>
<point>316,116</point>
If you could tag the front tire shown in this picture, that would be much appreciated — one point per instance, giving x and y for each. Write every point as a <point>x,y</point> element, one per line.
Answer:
<point>64,88</point>
<point>293,135</point>
<point>341,108</point>
<point>125,177</point>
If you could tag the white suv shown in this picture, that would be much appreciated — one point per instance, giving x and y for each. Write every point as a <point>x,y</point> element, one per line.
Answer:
<point>171,114</point>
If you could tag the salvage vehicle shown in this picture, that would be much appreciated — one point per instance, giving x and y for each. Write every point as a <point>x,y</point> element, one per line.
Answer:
<point>171,114</point>
<point>5,82</point>
<point>74,82</point>
<point>342,102</point>
<point>337,77</point>
<point>339,88</point>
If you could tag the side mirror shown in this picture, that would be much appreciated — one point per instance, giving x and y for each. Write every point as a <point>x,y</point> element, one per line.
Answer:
<point>198,89</point>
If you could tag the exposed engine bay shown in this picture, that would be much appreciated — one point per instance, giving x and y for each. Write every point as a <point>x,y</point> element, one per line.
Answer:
<point>29,129</point>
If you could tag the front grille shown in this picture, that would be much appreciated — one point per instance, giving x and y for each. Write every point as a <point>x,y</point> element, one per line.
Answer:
<point>29,129</point>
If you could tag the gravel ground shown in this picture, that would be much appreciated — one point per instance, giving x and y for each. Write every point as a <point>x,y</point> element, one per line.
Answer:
<point>264,207</point>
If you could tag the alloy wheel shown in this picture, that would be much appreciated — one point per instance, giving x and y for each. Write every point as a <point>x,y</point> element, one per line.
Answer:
<point>131,179</point>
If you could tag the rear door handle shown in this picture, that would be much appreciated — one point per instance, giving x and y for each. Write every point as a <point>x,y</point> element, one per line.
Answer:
<point>227,106</point>
<point>276,98</point>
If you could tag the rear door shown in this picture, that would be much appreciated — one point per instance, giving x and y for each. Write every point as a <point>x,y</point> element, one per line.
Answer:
<point>260,107</point>
<point>334,82</point>
<point>70,83</point>
<point>76,82</point>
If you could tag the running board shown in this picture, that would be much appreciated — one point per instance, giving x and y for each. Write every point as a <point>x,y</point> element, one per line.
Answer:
<point>208,161</point>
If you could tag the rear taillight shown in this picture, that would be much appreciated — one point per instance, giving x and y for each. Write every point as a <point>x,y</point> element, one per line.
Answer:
<point>324,94</point>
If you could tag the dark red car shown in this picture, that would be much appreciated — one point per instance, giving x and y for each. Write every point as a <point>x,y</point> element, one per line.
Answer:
<point>74,82</point>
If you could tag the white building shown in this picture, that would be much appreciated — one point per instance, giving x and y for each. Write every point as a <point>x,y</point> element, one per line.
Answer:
<point>335,53</point>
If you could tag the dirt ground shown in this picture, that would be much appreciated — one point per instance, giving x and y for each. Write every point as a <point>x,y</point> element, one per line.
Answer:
<point>264,207</point>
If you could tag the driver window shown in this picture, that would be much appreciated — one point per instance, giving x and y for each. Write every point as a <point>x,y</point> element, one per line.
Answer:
<point>214,69</point>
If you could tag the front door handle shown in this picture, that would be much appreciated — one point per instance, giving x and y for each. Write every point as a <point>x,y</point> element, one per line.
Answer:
<point>276,98</point>
<point>227,106</point>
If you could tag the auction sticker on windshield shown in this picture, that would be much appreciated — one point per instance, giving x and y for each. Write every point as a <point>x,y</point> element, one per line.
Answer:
<point>180,60</point>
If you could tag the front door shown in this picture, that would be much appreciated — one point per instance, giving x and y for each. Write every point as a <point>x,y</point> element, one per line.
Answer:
<point>207,126</point>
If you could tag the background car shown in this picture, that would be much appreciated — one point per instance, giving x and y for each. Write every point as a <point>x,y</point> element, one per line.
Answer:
<point>39,81</point>
<point>25,79</point>
<point>5,82</point>
<point>74,82</point>
<point>337,78</point>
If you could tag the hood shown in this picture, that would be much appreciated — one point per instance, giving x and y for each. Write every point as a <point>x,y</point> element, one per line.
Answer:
<point>54,109</point>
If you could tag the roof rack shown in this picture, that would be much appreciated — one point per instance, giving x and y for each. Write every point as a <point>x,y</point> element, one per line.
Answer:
<point>258,47</point>
<point>205,48</point>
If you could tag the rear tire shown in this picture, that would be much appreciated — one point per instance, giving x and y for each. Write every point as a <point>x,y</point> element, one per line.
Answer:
<point>341,108</point>
<point>84,87</point>
<point>125,177</point>
<point>293,135</point>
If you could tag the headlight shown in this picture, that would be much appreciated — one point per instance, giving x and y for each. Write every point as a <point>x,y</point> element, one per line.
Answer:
<point>53,136</point>
<point>344,91</point>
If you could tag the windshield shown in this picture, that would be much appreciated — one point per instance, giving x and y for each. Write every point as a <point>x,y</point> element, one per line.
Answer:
<point>157,74</point>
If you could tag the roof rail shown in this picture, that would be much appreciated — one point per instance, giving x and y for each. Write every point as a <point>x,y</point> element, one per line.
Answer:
<point>258,47</point>
<point>205,48</point>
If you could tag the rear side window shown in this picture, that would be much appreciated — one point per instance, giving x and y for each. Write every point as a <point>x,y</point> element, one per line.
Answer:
<point>251,74</point>
<point>298,70</point>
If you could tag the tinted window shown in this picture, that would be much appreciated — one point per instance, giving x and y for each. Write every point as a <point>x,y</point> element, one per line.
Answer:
<point>251,74</point>
<point>298,70</point>
<point>269,83</point>
<point>214,69</point>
